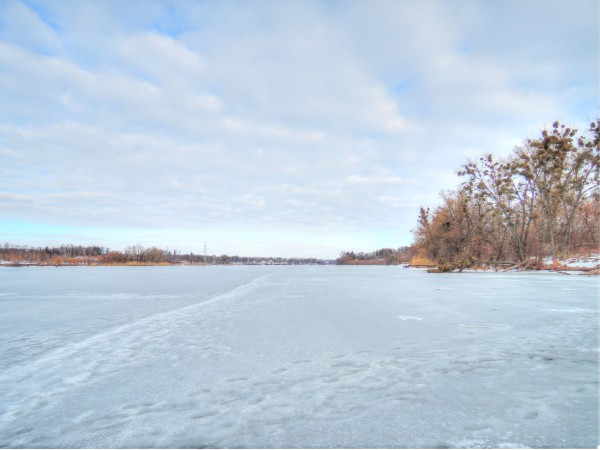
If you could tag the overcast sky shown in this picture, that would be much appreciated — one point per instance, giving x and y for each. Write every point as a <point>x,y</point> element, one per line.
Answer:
<point>283,128</point>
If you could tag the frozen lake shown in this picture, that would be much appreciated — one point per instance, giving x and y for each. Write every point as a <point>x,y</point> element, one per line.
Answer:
<point>311,356</point>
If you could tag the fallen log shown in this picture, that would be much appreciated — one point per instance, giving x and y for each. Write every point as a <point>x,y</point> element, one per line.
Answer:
<point>531,264</point>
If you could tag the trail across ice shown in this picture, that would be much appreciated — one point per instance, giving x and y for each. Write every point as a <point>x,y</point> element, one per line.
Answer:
<point>84,362</point>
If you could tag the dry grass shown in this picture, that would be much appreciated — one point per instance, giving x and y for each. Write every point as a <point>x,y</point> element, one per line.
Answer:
<point>367,262</point>
<point>421,261</point>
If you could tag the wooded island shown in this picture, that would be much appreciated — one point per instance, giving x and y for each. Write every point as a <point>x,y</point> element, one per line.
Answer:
<point>540,201</point>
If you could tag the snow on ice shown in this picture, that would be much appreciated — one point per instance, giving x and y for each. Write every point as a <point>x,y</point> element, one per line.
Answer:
<point>296,357</point>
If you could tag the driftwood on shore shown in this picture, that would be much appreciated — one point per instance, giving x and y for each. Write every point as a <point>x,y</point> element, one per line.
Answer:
<point>536,264</point>
<point>530,264</point>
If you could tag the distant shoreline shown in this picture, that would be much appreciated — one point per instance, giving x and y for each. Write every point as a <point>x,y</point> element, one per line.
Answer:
<point>563,270</point>
<point>148,264</point>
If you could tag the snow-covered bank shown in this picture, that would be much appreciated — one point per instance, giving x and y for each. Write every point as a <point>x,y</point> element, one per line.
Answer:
<point>583,263</point>
<point>296,357</point>
<point>586,265</point>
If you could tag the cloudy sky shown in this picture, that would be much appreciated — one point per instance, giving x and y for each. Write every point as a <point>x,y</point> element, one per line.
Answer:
<point>284,128</point>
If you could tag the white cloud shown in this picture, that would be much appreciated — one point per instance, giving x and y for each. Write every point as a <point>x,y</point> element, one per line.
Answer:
<point>330,118</point>
<point>362,180</point>
<point>22,26</point>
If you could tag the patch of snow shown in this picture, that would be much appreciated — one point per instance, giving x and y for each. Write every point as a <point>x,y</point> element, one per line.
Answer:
<point>576,310</point>
<point>498,326</point>
<point>583,262</point>
<point>587,350</point>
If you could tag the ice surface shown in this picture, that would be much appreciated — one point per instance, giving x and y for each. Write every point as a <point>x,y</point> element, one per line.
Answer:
<point>296,357</point>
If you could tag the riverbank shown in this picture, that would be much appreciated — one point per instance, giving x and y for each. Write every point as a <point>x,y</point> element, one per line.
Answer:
<point>84,264</point>
<point>136,264</point>
<point>589,264</point>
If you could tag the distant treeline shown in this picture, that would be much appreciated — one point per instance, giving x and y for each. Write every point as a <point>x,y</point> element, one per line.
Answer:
<point>542,200</point>
<point>81,255</point>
